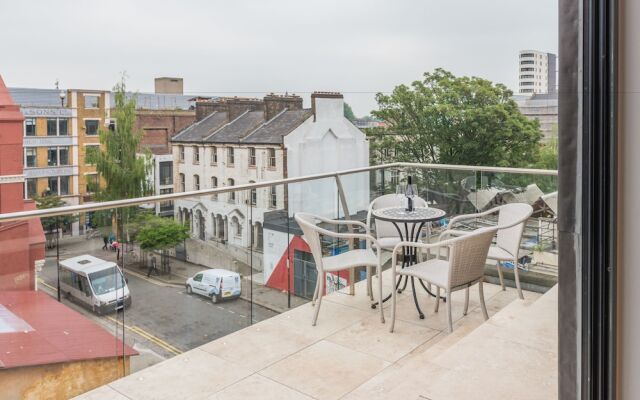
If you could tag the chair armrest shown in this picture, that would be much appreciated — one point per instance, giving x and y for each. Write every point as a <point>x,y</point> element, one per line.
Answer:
<point>463,217</point>
<point>452,232</point>
<point>341,222</point>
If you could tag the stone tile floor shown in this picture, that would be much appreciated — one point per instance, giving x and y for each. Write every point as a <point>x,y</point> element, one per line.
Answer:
<point>351,355</point>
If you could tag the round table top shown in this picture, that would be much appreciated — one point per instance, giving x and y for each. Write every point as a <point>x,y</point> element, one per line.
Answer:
<point>399,214</point>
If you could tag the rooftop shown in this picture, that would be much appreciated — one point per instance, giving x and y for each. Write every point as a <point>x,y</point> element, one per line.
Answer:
<point>37,330</point>
<point>351,355</point>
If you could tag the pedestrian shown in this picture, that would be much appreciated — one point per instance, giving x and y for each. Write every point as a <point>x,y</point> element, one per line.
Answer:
<point>105,239</point>
<point>152,266</point>
<point>116,247</point>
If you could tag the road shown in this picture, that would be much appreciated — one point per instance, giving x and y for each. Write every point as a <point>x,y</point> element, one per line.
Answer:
<point>163,319</point>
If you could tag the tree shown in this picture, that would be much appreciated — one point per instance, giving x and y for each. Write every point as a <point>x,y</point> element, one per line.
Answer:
<point>457,120</point>
<point>120,162</point>
<point>51,225</point>
<point>445,119</point>
<point>348,112</point>
<point>157,233</point>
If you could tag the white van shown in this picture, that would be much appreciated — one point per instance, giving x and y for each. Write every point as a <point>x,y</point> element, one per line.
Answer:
<point>216,284</point>
<point>94,283</point>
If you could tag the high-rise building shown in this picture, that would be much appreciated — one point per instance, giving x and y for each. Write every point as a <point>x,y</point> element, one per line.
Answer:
<point>536,72</point>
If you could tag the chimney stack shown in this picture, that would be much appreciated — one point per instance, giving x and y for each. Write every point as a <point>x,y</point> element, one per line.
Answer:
<point>274,104</point>
<point>327,105</point>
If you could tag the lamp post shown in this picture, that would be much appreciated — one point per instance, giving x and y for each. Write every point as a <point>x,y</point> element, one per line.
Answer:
<point>62,96</point>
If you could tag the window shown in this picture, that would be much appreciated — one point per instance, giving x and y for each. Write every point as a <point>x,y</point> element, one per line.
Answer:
<point>64,185</point>
<point>232,195</point>
<point>112,125</point>
<point>196,155</point>
<point>90,154</point>
<point>214,184</point>
<point>52,185</point>
<point>527,76</point>
<point>253,195</point>
<point>30,127</point>
<point>63,155</point>
<point>272,158</point>
<point>273,197</point>
<point>91,101</point>
<point>196,182</point>
<point>166,173</point>
<point>52,156</point>
<point>182,183</point>
<point>527,69</point>
<point>198,278</point>
<point>395,177</point>
<point>91,127</point>
<point>526,90</point>
<point>252,156</point>
<point>181,153</point>
<point>230,156</point>
<point>92,182</point>
<point>214,155</point>
<point>237,225</point>
<point>527,62</point>
<point>31,188</point>
<point>52,127</point>
<point>63,126</point>
<point>526,83</point>
<point>30,157</point>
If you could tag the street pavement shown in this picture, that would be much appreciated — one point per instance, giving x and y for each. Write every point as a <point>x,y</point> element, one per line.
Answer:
<point>163,319</point>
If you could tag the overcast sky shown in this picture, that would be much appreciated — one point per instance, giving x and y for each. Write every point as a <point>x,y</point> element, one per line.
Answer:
<point>359,47</point>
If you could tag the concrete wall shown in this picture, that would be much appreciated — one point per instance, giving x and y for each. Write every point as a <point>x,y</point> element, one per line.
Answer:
<point>327,142</point>
<point>59,381</point>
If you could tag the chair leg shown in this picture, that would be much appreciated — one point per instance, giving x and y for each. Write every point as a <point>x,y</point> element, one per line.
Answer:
<point>449,318</point>
<point>437,299</point>
<point>466,301</point>
<point>394,293</point>
<point>380,295</point>
<point>499,268</point>
<point>315,293</point>
<point>369,283</point>
<point>482,304</point>
<point>515,272</point>
<point>320,290</point>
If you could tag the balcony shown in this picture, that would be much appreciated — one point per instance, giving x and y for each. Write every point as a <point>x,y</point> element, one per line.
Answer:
<point>165,340</point>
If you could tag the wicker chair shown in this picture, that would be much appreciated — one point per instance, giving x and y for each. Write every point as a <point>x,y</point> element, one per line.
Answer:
<point>465,266</point>
<point>344,261</point>
<point>512,218</point>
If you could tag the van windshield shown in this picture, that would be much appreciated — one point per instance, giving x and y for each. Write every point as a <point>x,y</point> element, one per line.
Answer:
<point>106,281</point>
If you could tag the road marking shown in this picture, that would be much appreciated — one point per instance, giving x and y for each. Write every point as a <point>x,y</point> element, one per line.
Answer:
<point>46,284</point>
<point>232,312</point>
<point>167,346</point>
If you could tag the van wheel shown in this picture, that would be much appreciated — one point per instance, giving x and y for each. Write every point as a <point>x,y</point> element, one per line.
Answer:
<point>215,298</point>
<point>189,290</point>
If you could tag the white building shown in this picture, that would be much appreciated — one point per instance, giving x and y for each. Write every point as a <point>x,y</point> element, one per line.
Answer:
<point>536,72</point>
<point>239,141</point>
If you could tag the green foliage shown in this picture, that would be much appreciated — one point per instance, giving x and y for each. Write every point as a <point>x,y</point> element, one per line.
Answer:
<point>548,157</point>
<point>157,233</point>
<point>446,119</point>
<point>49,224</point>
<point>348,112</point>
<point>120,163</point>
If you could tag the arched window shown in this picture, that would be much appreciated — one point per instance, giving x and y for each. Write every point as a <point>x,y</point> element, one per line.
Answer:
<point>232,195</point>
<point>196,182</point>
<point>237,227</point>
<point>214,184</point>
<point>182,182</point>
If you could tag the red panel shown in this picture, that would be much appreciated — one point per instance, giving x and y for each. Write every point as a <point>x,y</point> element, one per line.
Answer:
<point>59,334</point>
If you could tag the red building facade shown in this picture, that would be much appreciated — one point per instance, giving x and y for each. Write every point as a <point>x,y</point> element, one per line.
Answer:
<point>22,242</point>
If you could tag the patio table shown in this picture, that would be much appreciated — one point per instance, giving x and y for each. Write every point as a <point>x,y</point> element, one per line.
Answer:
<point>411,220</point>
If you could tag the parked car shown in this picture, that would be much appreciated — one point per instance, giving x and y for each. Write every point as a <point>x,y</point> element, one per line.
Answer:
<point>217,284</point>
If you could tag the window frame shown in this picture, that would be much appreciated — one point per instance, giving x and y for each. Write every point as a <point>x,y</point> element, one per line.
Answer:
<point>252,157</point>
<point>86,127</point>
<point>34,125</point>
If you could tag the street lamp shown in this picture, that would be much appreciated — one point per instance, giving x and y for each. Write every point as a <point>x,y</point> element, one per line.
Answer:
<point>62,96</point>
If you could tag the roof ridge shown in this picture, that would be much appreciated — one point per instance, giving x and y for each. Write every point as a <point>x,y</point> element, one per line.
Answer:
<point>225,125</point>
<point>177,136</point>
<point>264,124</point>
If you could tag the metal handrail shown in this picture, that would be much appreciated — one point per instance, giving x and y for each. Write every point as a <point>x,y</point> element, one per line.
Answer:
<point>74,209</point>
